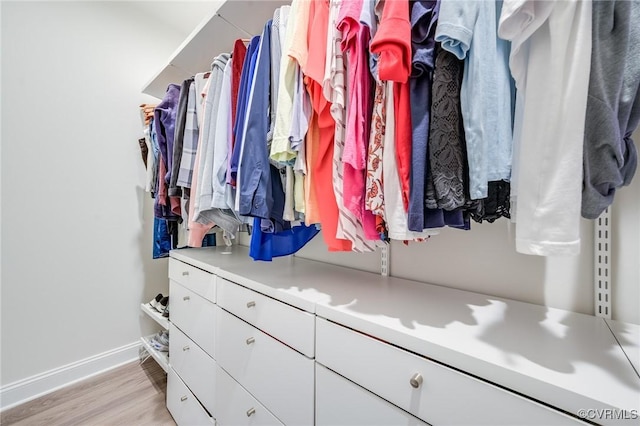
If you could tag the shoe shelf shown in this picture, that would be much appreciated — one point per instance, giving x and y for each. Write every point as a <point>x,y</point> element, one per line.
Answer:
<point>157,316</point>
<point>162,358</point>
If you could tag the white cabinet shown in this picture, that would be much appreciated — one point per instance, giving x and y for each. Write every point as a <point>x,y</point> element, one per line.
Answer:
<point>284,322</point>
<point>191,398</point>
<point>236,406</point>
<point>298,342</point>
<point>194,315</point>
<point>430,391</point>
<point>278,376</point>
<point>342,402</point>
<point>183,405</point>
<point>194,366</point>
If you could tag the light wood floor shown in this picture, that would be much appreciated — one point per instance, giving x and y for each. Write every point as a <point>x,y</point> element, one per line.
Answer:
<point>131,395</point>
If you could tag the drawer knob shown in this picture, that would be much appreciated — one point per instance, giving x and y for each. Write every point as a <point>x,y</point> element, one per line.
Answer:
<point>185,298</point>
<point>186,348</point>
<point>251,412</point>
<point>416,380</point>
<point>184,398</point>
<point>250,340</point>
<point>185,273</point>
<point>251,304</point>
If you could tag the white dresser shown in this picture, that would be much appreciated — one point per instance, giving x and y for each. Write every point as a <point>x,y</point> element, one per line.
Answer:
<point>298,342</point>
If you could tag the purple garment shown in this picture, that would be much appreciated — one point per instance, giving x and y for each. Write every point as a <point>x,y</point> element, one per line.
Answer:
<point>165,119</point>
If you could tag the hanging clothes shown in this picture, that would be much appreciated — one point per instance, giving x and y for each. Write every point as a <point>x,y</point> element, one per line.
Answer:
<point>613,106</point>
<point>550,46</point>
<point>241,108</point>
<point>468,29</point>
<point>393,43</point>
<point>320,138</point>
<point>424,15</point>
<point>190,140</point>
<point>164,123</point>
<point>178,138</point>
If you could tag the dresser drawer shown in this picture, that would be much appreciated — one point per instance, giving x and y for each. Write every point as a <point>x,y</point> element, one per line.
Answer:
<point>444,396</point>
<point>237,407</point>
<point>200,282</point>
<point>290,325</point>
<point>194,315</point>
<point>183,406</point>
<point>279,377</point>
<point>194,366</point>
<point>342,402</point>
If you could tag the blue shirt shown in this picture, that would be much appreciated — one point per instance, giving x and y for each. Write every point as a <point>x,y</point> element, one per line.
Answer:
<point>424,15</point>
<point>468,29</point>
<point>255,179</point>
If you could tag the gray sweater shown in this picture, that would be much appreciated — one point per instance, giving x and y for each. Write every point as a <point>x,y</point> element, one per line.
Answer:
<point>613,106</point>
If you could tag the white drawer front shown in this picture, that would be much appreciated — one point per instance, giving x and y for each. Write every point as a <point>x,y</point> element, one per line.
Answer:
<point>290,325</point>
<point>183,406</point>
<point>196,280</point>
<point>237,407</point>
<point>445,396</point>
<point>194,315</point>
<point>279,377</point>
<point>341,402</point>
<point>194,366</point>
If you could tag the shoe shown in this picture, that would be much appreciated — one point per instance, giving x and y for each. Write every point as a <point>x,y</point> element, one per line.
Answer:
<point>165,313</point>
<point>155,301</point>
<point>163,304</point>
<point>160,341</point>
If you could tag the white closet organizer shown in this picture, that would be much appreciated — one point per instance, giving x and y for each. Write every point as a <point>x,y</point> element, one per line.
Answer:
<point>301,342</point>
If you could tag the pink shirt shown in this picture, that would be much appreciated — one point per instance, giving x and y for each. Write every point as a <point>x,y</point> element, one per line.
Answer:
<point>355,44</point>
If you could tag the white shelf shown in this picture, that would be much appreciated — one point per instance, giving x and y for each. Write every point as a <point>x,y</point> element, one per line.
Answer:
<point>230,20</point>
<point>157,316</point>
<point>162,358</point>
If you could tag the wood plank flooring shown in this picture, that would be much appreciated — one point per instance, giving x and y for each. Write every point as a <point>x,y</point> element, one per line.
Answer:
<point>133,394</point>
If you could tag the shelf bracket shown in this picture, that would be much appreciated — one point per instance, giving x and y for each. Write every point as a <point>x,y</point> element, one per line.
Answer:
<point>602,265</point>
<point>384,259</point>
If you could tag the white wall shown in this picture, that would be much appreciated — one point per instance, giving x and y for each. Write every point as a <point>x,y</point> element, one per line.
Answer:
<point>76,225</point>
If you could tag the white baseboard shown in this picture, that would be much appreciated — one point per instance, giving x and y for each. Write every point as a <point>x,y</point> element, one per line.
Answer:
<point>41,384</point>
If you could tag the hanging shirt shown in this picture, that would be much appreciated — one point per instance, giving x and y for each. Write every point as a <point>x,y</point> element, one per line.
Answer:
<point>190,141</point>
<point>218,211</point>
<point>550,46</point>
<point>374,198</point>
<point>238,55</point>
<point>197,230</point>
<point>203,197</point>
<point>178,138</point>
<point>613,106</point>
<point>280,147</point>
<point>320,140</point>
<point>395,214</point>
<point>334,81</point>
<point>447,149</point>
<point>424,15</point>
<point>393,43</point>
<point>266,246</point>
<point>467,28</point>
<point>164,121</point>
<point>355,21</point>
<point>255,198</point>
<point>243,98</point>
